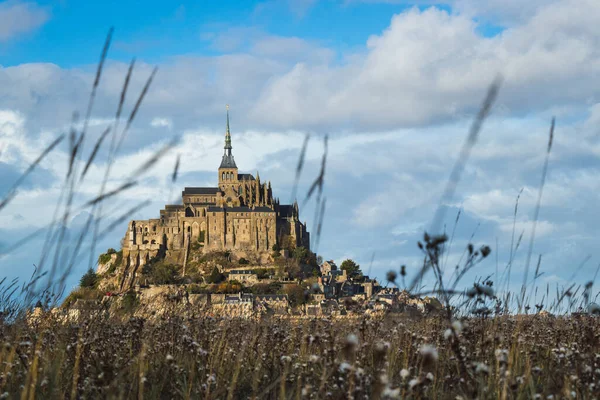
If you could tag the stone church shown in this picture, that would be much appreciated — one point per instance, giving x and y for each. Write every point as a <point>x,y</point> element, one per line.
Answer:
<point>240,215</point>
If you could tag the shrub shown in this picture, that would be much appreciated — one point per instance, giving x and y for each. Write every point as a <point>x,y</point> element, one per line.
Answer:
<point>196,289</point>
<point>262,273</point>
<point>118,261</point>
<point>229,287</point>
<point>265,288</point>
<point>163,274</point>
<point>201,237</point>
<point>111,251</point>
<point>89,279</point>
<point>83,294</point>
<point>130,301</point>
<point>104,258</point>
<point>215,276</point>
<point>296,294</point>
<point>243,261</point>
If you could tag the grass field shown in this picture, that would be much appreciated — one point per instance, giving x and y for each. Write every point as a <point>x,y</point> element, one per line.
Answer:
<point>389,357</point>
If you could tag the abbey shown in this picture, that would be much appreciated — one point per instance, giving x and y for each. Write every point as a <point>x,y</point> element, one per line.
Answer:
<point>240,215</point>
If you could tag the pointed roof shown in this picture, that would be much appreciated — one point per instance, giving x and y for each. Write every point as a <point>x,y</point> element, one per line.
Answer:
<point>227,161</point>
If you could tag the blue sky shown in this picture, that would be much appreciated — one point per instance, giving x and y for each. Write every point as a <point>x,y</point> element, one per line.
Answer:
<point>394,83</point>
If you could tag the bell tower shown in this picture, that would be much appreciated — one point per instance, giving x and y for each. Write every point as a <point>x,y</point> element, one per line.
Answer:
<point>228,171</point>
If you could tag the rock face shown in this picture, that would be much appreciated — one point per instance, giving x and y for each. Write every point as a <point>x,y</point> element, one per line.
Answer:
<point>168,300</point>
<point>104,267</point>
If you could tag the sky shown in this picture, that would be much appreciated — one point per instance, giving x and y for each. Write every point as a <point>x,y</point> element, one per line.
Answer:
<point>394,84</point>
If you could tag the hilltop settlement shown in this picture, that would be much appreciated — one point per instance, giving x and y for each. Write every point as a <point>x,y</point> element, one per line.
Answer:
<point>230,250</point>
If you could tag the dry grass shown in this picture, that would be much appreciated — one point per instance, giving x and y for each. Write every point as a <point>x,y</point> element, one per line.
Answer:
<point>504,357</point>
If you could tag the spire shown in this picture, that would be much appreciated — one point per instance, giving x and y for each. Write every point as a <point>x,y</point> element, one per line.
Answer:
<point>227,135</point>
<point>228,161</point>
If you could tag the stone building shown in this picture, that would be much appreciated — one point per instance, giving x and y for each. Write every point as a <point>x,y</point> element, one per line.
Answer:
<point>240,215</point>
<point>243,276</point>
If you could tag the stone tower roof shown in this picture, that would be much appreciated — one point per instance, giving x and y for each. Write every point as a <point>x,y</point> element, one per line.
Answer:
<point>227,161</point>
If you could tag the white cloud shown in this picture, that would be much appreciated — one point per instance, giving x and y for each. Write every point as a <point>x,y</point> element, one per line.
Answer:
<point>18,17</point>
<point>430,65</point>
<point>162,123</point>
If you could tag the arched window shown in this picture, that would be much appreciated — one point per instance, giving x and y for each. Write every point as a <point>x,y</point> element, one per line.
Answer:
<point>222,176</point>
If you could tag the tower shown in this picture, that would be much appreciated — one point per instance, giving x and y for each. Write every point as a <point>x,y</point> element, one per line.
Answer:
<point>228,171</point>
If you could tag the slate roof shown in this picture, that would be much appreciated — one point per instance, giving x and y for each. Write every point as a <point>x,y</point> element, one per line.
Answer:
<point>242,272</point>
<point>245,176</point>
<point>239,209</point>
<point>200,190</point>
<point>228,162</point>
<point>276,297</point>
<point>286,210</point>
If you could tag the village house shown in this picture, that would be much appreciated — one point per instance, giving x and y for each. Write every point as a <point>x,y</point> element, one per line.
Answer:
<point>246,276</point>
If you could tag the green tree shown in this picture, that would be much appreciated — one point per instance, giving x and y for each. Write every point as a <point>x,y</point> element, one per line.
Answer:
<point>164,274</point>
<point>262,273</point>
<point>215,276</point>
<point>351,268</point>
<point>296,294</point>
<point>300,254</point>
<point>89,279</point>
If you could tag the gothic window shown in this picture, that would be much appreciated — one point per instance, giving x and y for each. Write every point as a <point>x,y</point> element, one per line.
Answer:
<point>222,176</point>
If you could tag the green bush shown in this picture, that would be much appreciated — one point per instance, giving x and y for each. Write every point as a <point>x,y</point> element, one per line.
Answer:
<point>89,279</point>
<point>163,274</point>
<point>215,276</point>
<point>201,237</point>
<point>196,289</point>
<point>118,261</point>
<point>262,273</point>
<point>111,251</point>
<point>104,258</point>
<point>83,294</point>
<point>243,261</point>
<point>130,301</point>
